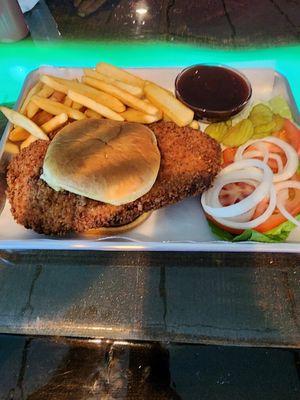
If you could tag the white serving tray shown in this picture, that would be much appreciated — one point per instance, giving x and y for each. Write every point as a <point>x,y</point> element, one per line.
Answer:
<point>181,227</point>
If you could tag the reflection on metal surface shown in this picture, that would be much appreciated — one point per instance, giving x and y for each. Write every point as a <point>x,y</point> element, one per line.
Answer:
<point>141,10</point>
<point>139,20</point>
<point>63,369</point>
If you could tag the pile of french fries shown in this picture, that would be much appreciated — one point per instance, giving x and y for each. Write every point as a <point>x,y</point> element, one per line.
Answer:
<point>104,92</point>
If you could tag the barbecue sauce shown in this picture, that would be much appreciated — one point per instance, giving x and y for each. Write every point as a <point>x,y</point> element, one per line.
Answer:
<point>212,88</point>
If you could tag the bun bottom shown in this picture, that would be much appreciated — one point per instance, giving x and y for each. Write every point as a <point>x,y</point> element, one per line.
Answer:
<point>114,230</point>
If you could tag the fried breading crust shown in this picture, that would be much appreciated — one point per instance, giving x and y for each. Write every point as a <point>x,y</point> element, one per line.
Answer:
<point>189,162</point>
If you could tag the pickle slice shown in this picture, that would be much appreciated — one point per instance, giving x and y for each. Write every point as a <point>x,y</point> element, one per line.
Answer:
<point>217,130</point>
<point>263,130</point>
<point>279,121</point>
<point>261,114</point>
<point>239,133</point>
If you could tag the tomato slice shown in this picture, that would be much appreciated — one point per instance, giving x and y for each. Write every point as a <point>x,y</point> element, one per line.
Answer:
<point>232,193</point>
<point>292,205</point>
<point>277,218</point>
<point>260,208</point>
<point>225,228</point>
<point>228,156</point>
<point>290,134</point>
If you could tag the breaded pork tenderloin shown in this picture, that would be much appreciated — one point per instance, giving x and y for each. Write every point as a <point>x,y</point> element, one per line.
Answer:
<point>190,160</point>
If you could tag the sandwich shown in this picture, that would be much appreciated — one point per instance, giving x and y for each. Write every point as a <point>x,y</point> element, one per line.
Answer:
<point>102,176</point>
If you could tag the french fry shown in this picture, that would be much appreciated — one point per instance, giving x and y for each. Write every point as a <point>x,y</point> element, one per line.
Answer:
<point>172,107</point>
<point>194,124</point>
<point>11,148</point>
<point>93,105</point>
<point>132,115</point>
<point>92,114</point>
<point>166,118</point>
<point>46,92</point>
<point>55,108</point>
<point>76,106</point>
<point>55,123</point>
<point>96,95</point>
<point>120,94</point>
<point>34,90</point>
<point>53,83</point>
<point>167,90</point>
<point>41,117</point>
<point>119,74</point>
<point>18,134</point>
<point>32,108</point>
<point>57,96</point>
<point>20,120</point>
<point>134,90</point>
<point>68,102</point>
<point>28,141</point>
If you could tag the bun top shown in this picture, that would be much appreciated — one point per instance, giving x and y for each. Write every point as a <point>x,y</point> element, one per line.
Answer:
<point>109,161</point>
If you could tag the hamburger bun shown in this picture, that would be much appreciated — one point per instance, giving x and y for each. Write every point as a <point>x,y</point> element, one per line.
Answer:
<point>115,230</point>
<point>108,161</point>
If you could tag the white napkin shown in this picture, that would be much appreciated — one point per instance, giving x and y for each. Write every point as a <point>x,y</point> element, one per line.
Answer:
<point>27,5</point>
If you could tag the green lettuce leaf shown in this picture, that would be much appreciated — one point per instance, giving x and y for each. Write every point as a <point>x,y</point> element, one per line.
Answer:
<point>280,106</point>
<point>254,236</point>
<point>276,235</point>
<point>219,232</point>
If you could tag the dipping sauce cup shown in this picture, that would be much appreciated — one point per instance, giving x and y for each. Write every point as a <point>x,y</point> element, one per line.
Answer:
<point>214,93</point>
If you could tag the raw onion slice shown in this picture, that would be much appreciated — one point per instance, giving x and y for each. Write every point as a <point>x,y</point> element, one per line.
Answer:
<point>233,177</point>
<point>255,154</point>
<point>272,156</point>
<point>214,199</point>
<point>255,222</point>
<point>282,195</point>
<point>291,155</point>
<point>278,159</point>
<point>238,172</point>
<point>243,217</point>
<point>261,146</point>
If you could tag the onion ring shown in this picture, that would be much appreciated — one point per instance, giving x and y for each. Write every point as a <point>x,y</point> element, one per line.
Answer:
<point>229,175</point>
<point>292,157</point>
<point>255,222</point>
<point>278,159</point>
<point>272,156</point>
<point>231,178</point>
<point>281,199</point>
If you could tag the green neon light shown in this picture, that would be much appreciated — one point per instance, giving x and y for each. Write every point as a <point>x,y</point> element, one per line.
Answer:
<point>18,59</point>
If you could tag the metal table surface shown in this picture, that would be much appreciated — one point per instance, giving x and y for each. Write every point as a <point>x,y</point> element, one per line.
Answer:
<point>180,297</point>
